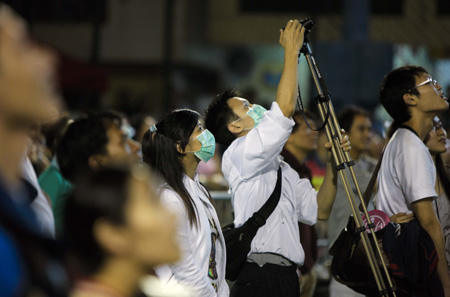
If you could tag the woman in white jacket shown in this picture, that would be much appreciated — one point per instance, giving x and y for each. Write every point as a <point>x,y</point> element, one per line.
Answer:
<point>174,147</point>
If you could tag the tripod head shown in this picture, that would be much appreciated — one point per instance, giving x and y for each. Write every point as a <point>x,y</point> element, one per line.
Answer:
<point>308,24</point>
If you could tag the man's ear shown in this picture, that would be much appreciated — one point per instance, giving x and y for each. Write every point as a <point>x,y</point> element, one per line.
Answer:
<point>95,162</point>
<point>111,238</point>
<point>235,128</point>
<point>410,100</point>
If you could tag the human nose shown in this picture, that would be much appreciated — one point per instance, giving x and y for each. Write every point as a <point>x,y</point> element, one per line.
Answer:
<point>441,132</point>
<point>437,85</point>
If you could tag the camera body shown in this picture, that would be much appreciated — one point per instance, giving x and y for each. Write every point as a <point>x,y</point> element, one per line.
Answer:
<point>308,24</point>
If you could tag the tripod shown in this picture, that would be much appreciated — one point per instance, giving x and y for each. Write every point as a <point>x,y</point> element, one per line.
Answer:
<point>344,165</point>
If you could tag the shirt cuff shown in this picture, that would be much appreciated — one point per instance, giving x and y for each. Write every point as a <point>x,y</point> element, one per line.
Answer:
<point>276,115</point>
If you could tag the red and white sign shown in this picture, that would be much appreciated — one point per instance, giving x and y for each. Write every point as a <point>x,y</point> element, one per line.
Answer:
<point>379,218</point>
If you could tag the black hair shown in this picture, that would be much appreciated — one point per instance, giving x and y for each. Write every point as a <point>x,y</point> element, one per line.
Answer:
<point>85,137</point>
<point>395,84</point>
<point>443,175</point>
<point>311,117</point>
<point>348,114</point>
<point>159,149</point>
<point>218,115</point>
<point>54,131</point>
<point>441,170</point>
<point>99,195</point>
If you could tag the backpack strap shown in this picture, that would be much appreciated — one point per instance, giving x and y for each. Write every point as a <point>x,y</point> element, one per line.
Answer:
<point>371,185</point>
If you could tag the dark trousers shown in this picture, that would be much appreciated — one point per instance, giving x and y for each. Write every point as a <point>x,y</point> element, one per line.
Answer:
<point>267,281</point>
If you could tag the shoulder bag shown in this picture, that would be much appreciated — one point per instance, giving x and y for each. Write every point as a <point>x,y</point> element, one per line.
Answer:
<point>410,253</point>
<point>238,240</point>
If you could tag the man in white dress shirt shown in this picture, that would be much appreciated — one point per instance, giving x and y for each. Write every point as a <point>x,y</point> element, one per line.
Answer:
<point>255,138</point>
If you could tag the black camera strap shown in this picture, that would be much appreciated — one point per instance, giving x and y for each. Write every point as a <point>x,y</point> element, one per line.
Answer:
<point>301,106</point>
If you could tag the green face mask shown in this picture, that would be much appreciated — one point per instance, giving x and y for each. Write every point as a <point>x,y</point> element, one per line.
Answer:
<point>208,142</point>
<point>256,112</point>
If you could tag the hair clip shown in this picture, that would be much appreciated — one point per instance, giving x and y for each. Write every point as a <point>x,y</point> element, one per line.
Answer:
<point>153,128</point>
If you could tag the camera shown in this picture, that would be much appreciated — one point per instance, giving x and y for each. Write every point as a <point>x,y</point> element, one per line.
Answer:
<point>308,24</point>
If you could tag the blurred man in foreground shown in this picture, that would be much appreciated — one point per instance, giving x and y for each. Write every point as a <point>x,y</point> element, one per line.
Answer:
<point>27,97</point>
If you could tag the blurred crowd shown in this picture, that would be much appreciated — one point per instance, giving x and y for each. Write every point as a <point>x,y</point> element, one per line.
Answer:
<point>82,213</point>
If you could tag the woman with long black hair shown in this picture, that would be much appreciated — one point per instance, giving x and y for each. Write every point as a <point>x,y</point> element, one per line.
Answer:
<point>174,147</point>
<point>436,142</point>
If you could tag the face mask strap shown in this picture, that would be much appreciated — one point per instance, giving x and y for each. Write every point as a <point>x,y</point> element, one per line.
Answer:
<point>196,138</point>
<point>246,115</point>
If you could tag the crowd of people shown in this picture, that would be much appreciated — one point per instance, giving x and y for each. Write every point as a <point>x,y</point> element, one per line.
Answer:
<point>85,210</point>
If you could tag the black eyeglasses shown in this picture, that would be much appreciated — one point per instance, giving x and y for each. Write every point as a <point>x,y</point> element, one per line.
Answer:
<point>427,81</point>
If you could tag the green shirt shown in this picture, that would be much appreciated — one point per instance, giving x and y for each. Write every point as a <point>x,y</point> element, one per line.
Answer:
<point>58,189</point>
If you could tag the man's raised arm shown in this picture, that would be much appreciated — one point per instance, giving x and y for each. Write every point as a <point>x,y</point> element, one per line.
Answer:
<point>291,39</point>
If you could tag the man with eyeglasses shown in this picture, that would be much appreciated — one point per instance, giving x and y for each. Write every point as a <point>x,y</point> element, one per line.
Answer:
<point>407,176</point>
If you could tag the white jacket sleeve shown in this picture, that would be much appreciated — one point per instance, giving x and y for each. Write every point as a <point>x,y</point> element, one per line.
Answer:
<point>264,143</point>
<point>306,202</point>
<point>186,271</point>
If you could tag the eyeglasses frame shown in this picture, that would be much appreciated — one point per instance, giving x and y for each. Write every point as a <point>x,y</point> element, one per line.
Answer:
<point>427,81</point>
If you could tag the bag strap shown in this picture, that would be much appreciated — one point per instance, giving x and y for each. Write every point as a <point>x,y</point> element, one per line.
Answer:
<point>371,185</point>
<point>266,210</point>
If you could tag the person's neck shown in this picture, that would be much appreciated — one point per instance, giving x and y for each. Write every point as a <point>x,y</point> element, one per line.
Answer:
<point>190,164</point>
<point>421,124</point>
<point>355,154</point>
<point>298,154</point>
<point>10,181</point>
<point>322,155</point>
<point>120,276</point>
<point>243,133</point>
